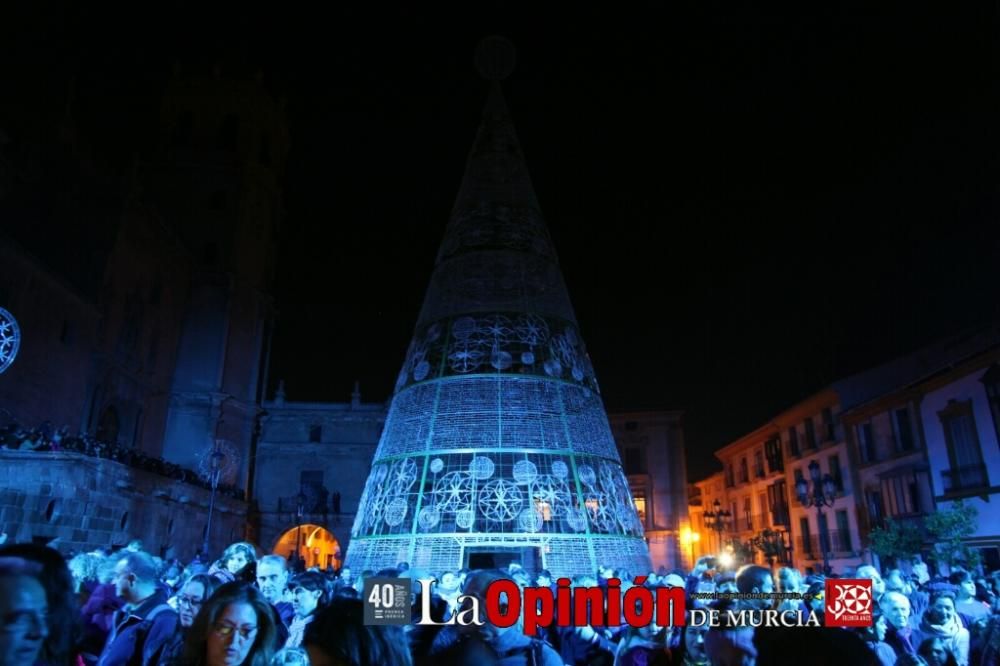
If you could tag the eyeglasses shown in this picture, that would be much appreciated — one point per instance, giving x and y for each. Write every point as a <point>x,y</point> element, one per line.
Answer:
<point>227,630</point>
<point>188,601</point>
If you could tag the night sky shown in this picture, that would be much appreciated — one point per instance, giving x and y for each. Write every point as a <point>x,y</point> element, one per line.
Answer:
<point>746,205</point>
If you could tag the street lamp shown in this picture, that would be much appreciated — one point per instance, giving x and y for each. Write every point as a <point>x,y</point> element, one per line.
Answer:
<point>299,511</point>
<point>215,461</point>
<point>690,537</point>
<point>824,493</point>
<point>718,519</point>
<point>771,544</point>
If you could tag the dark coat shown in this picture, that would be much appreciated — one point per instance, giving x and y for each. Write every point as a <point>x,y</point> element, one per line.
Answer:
<point>138,634</point>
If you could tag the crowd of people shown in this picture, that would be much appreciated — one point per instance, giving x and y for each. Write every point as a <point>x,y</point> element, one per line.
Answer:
<point>45,437</point>
<point>130,608</point>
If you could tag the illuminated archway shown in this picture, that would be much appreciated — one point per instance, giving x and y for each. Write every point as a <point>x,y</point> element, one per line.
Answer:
<point>316,545</point>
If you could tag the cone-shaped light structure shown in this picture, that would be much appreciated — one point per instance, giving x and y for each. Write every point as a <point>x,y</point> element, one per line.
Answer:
<point>497,445</point>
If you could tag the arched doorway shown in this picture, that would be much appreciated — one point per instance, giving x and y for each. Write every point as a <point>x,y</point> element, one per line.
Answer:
<point>316,545</point>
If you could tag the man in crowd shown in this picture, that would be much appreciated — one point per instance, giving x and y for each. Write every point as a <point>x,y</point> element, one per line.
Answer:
<point>898,634</point>
<point>23,612</point>
<point>272,579</point>
<point>755,579</point>
<point>146,621</point>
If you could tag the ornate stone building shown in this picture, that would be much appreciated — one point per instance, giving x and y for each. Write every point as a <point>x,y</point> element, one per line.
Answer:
<point>312,461</point>
<point>146,310</point>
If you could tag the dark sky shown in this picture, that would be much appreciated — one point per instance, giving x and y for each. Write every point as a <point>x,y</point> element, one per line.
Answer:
<point>746,203</point>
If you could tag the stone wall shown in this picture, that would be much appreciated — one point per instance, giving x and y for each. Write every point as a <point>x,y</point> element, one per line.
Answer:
<point>92,503</point>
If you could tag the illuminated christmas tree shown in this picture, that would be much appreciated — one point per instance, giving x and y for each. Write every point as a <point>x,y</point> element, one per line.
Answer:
<point>497,445</point>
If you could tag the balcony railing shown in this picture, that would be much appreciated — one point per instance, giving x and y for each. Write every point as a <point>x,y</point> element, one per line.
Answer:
<point>750,523</point>
<point>841,543</point>
<point>312,505</point>
<point>969,477</point>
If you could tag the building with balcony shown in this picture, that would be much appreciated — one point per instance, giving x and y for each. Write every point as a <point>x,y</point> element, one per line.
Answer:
<point>651,447</point>
<point>311,464</point>
<point>811,433</point>
<point>756,491</point>
<point>922,432</point>
<point>702,498</point>
<point>756,488</point>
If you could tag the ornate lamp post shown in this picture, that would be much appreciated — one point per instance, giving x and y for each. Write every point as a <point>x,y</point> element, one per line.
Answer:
<point>823,493</point>
<point>216,459</point>
<point>299,511</point>
<point>772,545</point>
<point>718,519</point>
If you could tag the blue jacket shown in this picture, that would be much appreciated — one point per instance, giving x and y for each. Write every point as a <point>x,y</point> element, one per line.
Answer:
<point>137,634</point>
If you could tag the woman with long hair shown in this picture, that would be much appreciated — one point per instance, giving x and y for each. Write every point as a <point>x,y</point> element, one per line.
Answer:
<point>190,599</point>
<point>238,563</point>
<point>60,647</point>
<point>235,627</point>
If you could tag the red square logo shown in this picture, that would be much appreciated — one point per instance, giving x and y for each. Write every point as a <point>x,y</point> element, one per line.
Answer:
<point>848,602</point>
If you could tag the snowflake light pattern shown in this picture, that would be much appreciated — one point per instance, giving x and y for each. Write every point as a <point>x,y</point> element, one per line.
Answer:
<point>10,339</point>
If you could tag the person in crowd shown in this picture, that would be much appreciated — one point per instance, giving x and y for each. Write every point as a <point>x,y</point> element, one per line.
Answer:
<point>339,637</point>
<point>966,604</point>
<point>871,573</point>
<point>899,635</point>
<point>815,600</point>
<point>920,571</point>
<point>643,646</point>
<point>544,579</point>
<point>83,567</point>
<point>587,644</point>
<point>146,621</point>
<point>236,626</point>
<point>308,593</point>
<point>990,650</point>
<point>942,622</point>
<point>235,563</point>
<point>755,579</point>
<point>705,586</point>
<point>897,581</point>
<point>98,612</point>
<point>730,646</point>
<point>189,602</point>
<point>936,652</point>
<point>692,646</point>
<point>489,643</point>
<point>725,582</point>
<point>446,588</point>
<point>272,581</point>
<point>789,580</point>
<point>59,648</point>
<point>24,612</point>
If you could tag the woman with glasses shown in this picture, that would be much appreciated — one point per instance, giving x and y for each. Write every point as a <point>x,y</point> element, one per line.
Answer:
<point>235,627</point>
<point>189,601</point>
